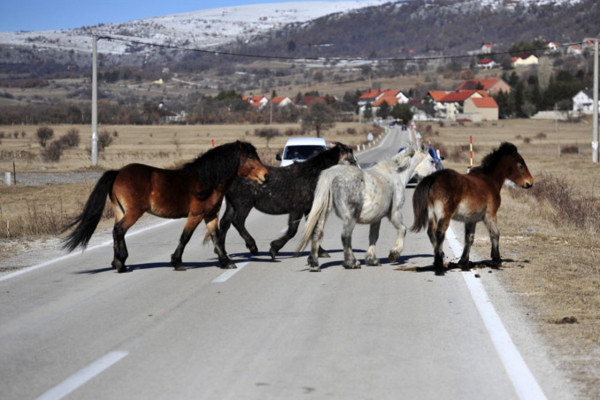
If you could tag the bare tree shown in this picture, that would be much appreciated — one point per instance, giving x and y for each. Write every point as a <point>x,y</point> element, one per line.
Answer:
<point>318,117</point>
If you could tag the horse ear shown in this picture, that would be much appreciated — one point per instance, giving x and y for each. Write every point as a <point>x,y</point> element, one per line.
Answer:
<point>423,147</point>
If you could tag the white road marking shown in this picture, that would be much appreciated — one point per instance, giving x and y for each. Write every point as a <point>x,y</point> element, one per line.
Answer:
<point>81,377</point>
<point>67,256</point>
<point>524,382</point>
<point>229,273</point>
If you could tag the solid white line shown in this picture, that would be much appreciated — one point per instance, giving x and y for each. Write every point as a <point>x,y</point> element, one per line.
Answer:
<point>524,382</point>
<point>67,256</point>
<point>81,377</point>
<point>229,273</point>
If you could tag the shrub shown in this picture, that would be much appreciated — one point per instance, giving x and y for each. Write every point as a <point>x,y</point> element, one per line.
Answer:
<point>44,134</point>
<point>104,140</point>
<point>53,152</point>
<point>71,138</point>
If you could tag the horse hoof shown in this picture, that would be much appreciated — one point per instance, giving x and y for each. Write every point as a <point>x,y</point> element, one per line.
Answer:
<point>273,252</point>
<point>229,266</point>
<point>394,256</point>
<point>315,269</point>
<point>440,272</point>
<point>253,249</point>
<point>372,262</point>
<point>180,268</point>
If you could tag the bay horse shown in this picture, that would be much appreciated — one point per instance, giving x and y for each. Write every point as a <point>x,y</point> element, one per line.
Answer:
<point>468,198</point>
<point>289,191</point>
<point>195,191</point>
<point>364,197</point>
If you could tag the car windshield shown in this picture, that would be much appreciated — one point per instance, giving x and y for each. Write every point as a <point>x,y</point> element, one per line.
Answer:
<point>301,152</point>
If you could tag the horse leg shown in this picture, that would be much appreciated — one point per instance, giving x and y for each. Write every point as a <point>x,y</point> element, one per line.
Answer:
<point>124,222</point>
<point>350,262</point>
<point>239,223</point>
<point>316,238</point>
<point>463,263</point>
<point>293,222</point>
<point>212,226</point>
<point>492,227</point>
<point>225,224</point>
<point>399,245</point>
<point>371,259</point>
<point>440,235</point>
<point>120,248</point>
<point>189,228</point>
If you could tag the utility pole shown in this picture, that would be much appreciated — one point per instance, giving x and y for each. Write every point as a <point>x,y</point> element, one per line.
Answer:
<point>595,106</point>
<point>95,100</point>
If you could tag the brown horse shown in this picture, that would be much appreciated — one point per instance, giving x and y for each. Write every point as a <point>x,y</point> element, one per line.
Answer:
<point>194,191</point>
<point>468,198</point>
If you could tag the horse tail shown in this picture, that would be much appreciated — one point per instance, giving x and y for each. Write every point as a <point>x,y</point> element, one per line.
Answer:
<point>88,220</point>
<point>319,210</point>
<point>420,203</point>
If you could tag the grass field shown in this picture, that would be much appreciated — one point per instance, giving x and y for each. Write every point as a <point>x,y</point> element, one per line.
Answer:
<point>549,253</point>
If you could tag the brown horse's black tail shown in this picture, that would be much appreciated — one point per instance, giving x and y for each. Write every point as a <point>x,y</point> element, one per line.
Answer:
<point>88,220</point>
<point>420,201</point>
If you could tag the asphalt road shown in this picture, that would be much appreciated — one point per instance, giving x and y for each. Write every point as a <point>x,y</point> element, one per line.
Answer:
<point>267,330</point>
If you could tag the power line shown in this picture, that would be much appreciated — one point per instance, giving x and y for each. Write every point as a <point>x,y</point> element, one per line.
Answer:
<point>330,59</point>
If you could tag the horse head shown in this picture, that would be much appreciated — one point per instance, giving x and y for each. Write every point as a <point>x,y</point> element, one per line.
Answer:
<point>403,159</point>
<point>424,163</point>
<point>250,165</point>
<point>505,163</point>
<point>346,155</point>
<point>517,170</point>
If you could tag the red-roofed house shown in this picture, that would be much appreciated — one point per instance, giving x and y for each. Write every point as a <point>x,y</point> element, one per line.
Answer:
<point>376,97</point>
<point>481,109</point>
<point>453,102</point>
<point>492,86</point>
<point>281,101</point>
<point>486,63</point>
<point>256,101</point>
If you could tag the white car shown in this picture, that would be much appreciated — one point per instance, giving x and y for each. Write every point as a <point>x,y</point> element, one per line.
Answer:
<point>301,149</point>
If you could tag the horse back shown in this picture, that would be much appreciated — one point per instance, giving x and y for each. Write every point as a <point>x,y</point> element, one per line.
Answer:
<point>463,197</point>
<point>163,192</point>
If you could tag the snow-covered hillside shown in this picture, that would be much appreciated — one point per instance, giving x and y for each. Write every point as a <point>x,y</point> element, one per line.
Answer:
<point>198,29</point>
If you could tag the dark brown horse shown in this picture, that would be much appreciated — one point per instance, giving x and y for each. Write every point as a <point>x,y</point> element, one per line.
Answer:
<point>194,191</point>
<point>468,198</point>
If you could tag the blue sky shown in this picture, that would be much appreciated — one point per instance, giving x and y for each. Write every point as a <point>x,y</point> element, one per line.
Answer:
<point>37,15</point>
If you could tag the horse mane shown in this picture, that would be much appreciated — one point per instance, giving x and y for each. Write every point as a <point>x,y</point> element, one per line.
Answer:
<point>491,160</point>
<point>320,160</point>
<point>218,165</point>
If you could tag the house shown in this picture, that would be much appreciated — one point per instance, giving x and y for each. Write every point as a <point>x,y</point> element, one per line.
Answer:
<point>306,101</point>
<point>574,50</point>
<point>452,104</point>
<point>552,47</point>
<point>492,86</point>
<point>524,60</point>
<point>376,97</point>
<point>281,101</point>
<point>481,109</point>
<point>257,102</point>
<point>434,97</point>
<point>486,48</point>
<point>486,63</point>
<point>583,102</point>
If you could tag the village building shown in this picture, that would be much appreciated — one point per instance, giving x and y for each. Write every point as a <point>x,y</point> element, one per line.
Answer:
<point>583,102</point>
<point>492,86</point>
<point>257,102</point>
<point>281,101</point>
<point>524,60</point>
<point>480,109</point>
